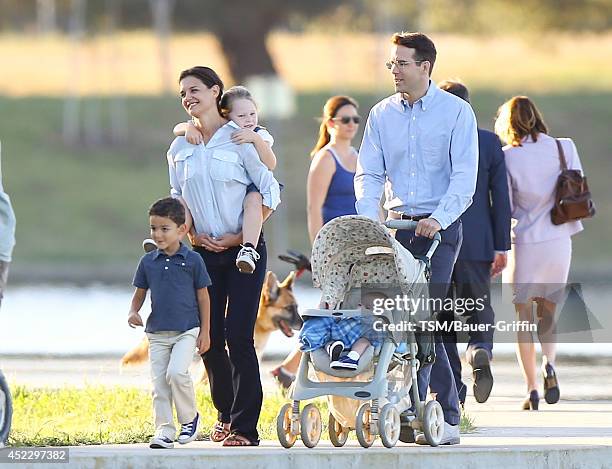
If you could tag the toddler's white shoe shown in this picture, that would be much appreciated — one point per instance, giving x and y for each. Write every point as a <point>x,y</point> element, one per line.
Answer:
<point>246,260</point>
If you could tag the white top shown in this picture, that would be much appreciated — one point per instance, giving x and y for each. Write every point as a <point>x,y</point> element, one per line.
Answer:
<point>533,170</point>
<point>213,178</point>
<point>264,134</point>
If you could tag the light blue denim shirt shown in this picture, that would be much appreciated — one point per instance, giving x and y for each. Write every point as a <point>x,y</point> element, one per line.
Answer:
<point>425,156</point>
<point>212,179</point>
<point>7,221</point>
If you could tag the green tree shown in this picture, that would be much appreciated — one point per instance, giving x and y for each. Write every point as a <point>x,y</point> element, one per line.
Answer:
<point>518,16</point>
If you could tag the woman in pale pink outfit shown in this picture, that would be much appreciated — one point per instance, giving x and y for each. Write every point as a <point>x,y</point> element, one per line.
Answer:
<point>541,252</point>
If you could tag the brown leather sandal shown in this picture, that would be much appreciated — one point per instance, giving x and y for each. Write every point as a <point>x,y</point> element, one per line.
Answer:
<point>236,439</point>
<point>219,432</point>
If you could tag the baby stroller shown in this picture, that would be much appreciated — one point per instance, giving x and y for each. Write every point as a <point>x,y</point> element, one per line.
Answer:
<point>354,258</point>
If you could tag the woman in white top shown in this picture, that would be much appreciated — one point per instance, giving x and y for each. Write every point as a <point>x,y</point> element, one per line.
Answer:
<point>541,252</point>
<point>211,178</point>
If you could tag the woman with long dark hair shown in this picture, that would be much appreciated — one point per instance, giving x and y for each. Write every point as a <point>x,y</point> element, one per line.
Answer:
<point>212,179</point>
<point>330,190</point>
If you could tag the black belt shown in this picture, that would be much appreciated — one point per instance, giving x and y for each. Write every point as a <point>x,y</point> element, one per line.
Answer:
<point>414,217</point>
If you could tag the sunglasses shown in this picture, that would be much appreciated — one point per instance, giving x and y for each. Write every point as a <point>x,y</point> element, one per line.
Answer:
<point>347,119</point>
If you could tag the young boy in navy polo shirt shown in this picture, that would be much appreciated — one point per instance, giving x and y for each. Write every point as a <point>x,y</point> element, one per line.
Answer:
<point>179,320</point>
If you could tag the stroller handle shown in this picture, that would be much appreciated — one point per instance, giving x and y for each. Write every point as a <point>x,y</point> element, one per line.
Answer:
<point>411,225</point>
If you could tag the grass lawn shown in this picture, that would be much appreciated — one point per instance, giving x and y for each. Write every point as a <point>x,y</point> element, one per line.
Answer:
<point>101,415</point>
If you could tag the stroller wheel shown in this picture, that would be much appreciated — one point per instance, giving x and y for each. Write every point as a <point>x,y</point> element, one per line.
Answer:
<point>310,425</point>
<point>337,433</point>
<point>389,425</point>
<point>433,423</point>
<point>365,436</point>
<point>286,437</point>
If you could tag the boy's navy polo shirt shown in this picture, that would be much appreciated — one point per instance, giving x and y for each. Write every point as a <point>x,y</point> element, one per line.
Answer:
<point>173,281</point>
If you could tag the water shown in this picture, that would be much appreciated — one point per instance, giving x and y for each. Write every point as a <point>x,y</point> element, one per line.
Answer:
<point>93,320</point>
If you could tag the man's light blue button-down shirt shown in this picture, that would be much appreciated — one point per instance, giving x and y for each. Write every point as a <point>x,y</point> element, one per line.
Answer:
<point>213,178</point>
<point>425,156</point>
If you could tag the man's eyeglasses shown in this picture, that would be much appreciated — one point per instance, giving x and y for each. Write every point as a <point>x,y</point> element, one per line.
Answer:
<point>347,119</point>
<point>401,63</point>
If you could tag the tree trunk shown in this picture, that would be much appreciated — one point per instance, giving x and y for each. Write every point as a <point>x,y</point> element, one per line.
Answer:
<point>72,128</point>
<point>245,50</point>
<point>242,27</point>
<point>162,12</point>
<point>46,16</point>
<point>118,112</point>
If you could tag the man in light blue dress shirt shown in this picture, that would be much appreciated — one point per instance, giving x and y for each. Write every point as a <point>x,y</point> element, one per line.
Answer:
<point>420,146</point>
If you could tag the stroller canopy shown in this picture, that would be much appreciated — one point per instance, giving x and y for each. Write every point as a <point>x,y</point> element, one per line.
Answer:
<point>339,259</point>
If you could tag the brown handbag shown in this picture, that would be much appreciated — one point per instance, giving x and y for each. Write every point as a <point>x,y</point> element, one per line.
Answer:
<point>572,196</point>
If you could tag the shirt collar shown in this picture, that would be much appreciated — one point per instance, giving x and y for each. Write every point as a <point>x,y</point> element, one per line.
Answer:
<point>424,101</point>
<point>431,91</point>
<point>183,250</point>
<point>223,135</point>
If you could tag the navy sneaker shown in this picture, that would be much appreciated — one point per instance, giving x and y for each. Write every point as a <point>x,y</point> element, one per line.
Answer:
<point>335,349</point>
<point>189,431</point>
<point>344,363</point>
<point>161,442</point>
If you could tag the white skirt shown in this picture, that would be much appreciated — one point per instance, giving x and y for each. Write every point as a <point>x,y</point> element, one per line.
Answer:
<point>539,270</point>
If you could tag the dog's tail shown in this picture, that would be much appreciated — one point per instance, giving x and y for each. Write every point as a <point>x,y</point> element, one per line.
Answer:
<point>138,354</point>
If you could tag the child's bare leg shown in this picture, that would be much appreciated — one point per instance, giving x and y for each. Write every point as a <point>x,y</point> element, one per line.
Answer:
<point>360,346</point>
<point>351,360</point>
<point>253,218</point>
<point>251,229</point>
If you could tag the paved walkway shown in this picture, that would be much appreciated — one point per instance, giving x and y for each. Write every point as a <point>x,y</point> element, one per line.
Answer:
<point>570,434</point>
<point>575,433</point>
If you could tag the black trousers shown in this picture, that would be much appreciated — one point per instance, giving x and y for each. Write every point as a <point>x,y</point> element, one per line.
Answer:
<point>439,376</point>
<point>235,384</point>
<point>471,280</point>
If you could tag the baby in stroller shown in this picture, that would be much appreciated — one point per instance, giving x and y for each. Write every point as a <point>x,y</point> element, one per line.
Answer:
<point>354,335</point>
<point>356,262</point>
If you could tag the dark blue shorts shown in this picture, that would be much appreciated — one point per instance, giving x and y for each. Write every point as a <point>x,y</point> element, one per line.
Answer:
<point>318,331</point>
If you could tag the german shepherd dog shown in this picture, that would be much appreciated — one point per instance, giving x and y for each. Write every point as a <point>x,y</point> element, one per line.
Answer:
<point>277,310</point>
